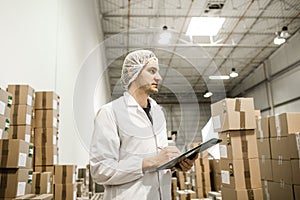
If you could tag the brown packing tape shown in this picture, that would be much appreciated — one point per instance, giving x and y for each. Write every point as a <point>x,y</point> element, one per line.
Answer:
<point>44,155</point>
<point>250,194</point>
<point>38,183</point>
<point>15,115</point>
<point>17,94</point>
<point>4,157</point>
<point>242,120</point>
<point>238,104</point>
<point>64,174</point>
<point>3,183</point>
<point>44,99</point>
<point>44,117</point>
<point>15,132</point>
<point>245,147</point>
<point>44,137</point>
<point>64,192</point>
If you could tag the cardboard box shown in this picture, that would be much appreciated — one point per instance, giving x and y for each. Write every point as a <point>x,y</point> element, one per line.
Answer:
<point>46,119</point>
<point>266,169</point>
<point>21,115</point>
<point>15,154</point>
<point>47,100</point>
<point>296,191</point>
<point>295,171</point>
<point>22,132</point>
<point>239,144</point>
<point>5,103</point>
<point>43,197</point>
<point>240,174</point>
<point>279,191</point>
<point>279,148</point>
<point>4,127</point>
<point>64,174</point>
<point>65,191</point>
<point>282,171</point>
<point>284,124</point>
<point>15,182</point>
<point>294,145</point>
<point>22,94</point>
<point>46,155</point>
<point>263,127</point>
<point>264,148</point>
<point>242,194</point>
<point>233,114</point>
<point>41,183</point>
<point>45,137</point>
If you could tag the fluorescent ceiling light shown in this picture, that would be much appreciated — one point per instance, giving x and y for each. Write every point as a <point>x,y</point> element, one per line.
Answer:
<point>221,77</point>
<point>205,26</point>
<point>279,40</point>
<point>207,94</point>
<point>233,73</point>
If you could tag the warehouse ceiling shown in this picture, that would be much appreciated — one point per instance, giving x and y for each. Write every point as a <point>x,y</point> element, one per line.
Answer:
<point>244,41</point>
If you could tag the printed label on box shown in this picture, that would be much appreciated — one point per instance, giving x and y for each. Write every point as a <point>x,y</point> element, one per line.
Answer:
<point>27,138</point>
<point>48,187</point>
<point>216,122</point>
<point>225,177</point>
<point>223,151</point>
<point>22,160</point>
<point>54,122</point>
<point>54,139</point>
<point>28,119</point>
<point>21,188</point>
<point>29,100</point>
<point>55,159</point>
<point>2,108</point>
<point>1,133</point>
<point>54,104</point>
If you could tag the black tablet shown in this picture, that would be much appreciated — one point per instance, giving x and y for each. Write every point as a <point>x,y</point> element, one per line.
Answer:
<point>190,153</point>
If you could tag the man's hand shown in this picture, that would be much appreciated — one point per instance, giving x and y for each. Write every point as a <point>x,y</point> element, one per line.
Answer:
<point>187,163</point>
<point>165,155</point>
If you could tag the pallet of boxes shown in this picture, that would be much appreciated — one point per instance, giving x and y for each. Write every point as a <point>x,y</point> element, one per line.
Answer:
<point>279,150</point>
<point>46,121</point>
<point>234,119</point>
<point>16,151</point>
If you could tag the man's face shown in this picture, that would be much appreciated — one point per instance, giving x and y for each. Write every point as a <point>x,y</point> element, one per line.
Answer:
<point>149,77</point>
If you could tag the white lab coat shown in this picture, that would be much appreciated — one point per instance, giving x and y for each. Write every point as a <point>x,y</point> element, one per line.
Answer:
<point>123,136</point>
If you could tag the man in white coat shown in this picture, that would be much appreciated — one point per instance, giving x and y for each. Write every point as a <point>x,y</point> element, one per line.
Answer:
<point>130,137</point>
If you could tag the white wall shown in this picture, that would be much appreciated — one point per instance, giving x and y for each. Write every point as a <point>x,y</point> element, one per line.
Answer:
<point>44,44</point>
<point>278,81</point>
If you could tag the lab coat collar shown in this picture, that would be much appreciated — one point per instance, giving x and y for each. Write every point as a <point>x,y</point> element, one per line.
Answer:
<point>130,100</point>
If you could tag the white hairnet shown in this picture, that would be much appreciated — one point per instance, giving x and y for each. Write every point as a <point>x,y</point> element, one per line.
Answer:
<point>133,65</point>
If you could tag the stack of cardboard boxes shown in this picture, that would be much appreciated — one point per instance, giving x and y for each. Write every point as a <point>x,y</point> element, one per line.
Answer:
<point>234,119</point>
<point>200,176</point>
<point>215,174</point>
<point>64,182</point>
<point>16,151</point>
<point>46,131</point>
<point>279,149</point>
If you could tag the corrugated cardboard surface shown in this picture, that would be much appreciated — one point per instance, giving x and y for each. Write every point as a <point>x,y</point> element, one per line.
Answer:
<point>284,124</point>
<point>264,148</point>
<point>241,174</point>
<point>22,132</point>
<point>266,169</point>
<point>46,119</point>
<point>15,153</point>
<point>278,191</point>
<point>46,155</point>
<point>21,115</point>
<point>233,114</point>
<point>279,148</point>
<point>22,94</point>
<point>65,191</point>
<point>295,171</point>
<point>294,145</point>
<point>282,171</point>
<point>240,144</point>
<point>45,137</point>
<point>15,182</point>
<point>5,103</point>
<point>46,100</point>
<point>263,128</point>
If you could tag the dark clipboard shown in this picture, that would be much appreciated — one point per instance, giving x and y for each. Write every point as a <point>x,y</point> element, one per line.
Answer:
<point>190,153</point>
